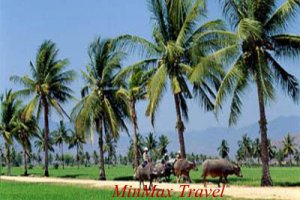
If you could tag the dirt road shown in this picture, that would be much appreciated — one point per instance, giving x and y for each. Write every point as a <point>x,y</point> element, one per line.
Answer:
<point>287,193</point>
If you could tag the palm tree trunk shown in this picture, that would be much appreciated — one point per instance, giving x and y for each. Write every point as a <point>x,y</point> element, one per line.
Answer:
<point>266,178</point>
<point>101,153</point>
<point>46,124</point>
<point>62,155</point>
<point>7,158</point>
<point>135,127</point>
<point>25,160</point>
<point>180,126</point>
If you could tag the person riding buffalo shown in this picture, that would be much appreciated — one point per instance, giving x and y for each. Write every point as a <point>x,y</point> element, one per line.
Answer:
<point>145,157</point>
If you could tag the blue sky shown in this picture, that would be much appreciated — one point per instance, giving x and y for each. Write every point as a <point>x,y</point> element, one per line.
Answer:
<point>73,24</point>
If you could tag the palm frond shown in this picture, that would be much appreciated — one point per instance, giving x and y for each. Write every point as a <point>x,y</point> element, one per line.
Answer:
<point>288,82</point>
<point>280,19</point>
<point>286,45</point>
<point>156,86</point>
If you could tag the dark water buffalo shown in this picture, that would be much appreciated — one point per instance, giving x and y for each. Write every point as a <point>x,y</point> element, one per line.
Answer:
<point>163,171</point>
<point>219,168</point>
<point>182,168</point>
<point>147,173</point>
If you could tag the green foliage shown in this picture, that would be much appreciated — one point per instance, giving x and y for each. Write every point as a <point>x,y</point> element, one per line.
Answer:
<point>260,28</point>
<point>48,83</point>
<point>162,145</point>
<point>223,149</point>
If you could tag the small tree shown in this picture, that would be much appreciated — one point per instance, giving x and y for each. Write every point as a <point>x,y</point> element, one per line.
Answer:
<point>95,157</point>
<point>280,156</point>
<point>223,149</point>
<point>151,144</point>
<point>163,143</point>
<point>289,147</point>
<point>256,149</point>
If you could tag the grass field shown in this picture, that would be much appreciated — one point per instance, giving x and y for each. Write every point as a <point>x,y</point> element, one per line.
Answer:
<point>38,191</point>
<point>282,176</point>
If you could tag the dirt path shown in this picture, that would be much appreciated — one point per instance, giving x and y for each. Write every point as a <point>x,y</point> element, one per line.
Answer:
<point>288,193</point>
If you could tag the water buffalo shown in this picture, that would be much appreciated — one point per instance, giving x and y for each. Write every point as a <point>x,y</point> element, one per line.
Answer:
<point>219,168</point>
<point>163,171</point>
<point>182,167</point>
<point>146,173</point>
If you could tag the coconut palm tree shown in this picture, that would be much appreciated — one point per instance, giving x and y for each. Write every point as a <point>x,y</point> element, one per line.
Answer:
<point>289,147</point>
<point>223,149</point>
<point>261,28</point>
<point>95,157</point>
<point>181,53</point>
<point>151,144</point>
<point>100,108</point>
<point>60,136</point>
<point>24,130</point>
<point>162,145</point>
<point>280,156</point>
<point>134,91</point>
<point>297,157</point>
<point>48,86</point>
<point>40,143</point>
<point>140,146</point>
<point>9,109</point>
<point>256,149</point>
<point>110,148</point>
<point>245,148</point>
<point>271,149</point>
<point>76,140</point>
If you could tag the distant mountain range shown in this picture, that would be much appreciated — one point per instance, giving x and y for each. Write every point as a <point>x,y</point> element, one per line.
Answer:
<point>207,141</point>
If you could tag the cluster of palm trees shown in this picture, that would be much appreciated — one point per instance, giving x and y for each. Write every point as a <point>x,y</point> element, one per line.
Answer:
<point>250,150</point>
<point>157,147</point>
<point>185,56</point>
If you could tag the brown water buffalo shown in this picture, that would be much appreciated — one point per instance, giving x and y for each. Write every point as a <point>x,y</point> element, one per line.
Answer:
<point>146,173</point>
<point>182,167</point>
<point>219,168</point>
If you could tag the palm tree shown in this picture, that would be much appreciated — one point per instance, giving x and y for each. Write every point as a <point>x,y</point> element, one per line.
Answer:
<point>261,29</point>
<point>87,158</point>
<point>95,157</point>
<point>245,148</point>
<point>256,149</point>
<point>24,130</point>
<point>151,144</point>
<point>297,157</point>
<point>271,149</point>
<point>135,91</point>
<point>60,137</point>
<point>76,140</point>
<point>289,147</point>
<point>9,108</point>
<point>48,86</point>
<point>181,53</point>
<point>163,142</point>
<point>100,108</point>
<point>140,146</point>
<point>223,149</point>
<point>280,156</point>
<point>110,147</point>
<point>40,143</point>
